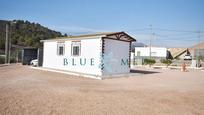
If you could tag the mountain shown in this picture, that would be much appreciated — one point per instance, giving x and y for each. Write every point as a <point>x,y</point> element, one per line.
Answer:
<point>137,44</point>
<point>197,46</point>
<point>25,33</point>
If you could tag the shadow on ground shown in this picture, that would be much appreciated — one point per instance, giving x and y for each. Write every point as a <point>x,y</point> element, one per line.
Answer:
<point>143,71</point>
<point>3,65</point>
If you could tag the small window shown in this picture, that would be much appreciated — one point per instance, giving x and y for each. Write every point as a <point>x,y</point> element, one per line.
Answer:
<point>76,48</point>
<point>60,49</point>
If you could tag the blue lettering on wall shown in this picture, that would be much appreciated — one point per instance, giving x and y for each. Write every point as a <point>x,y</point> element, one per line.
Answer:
<point>73,63</point>
<point>124,62</point>
<point>82,61</point>
<point>92,61</point>
<point>65,61</point>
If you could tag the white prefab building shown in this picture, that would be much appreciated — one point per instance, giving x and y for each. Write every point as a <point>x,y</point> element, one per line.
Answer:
<point>142,53</point>
<point>100,54</point>
<point>156,52</point>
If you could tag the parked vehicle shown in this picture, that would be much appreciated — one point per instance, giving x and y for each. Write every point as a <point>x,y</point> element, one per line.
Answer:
<point>34,62</point>
<point>187,57</point>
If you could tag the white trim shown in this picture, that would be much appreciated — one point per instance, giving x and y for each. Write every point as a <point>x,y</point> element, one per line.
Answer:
<point>71,39</point>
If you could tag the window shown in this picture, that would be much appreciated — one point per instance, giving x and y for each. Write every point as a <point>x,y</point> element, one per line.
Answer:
<point>60,49</point>
<point>76,48</point>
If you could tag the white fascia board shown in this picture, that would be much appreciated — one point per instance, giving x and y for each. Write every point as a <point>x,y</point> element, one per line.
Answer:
<point>69,39</point>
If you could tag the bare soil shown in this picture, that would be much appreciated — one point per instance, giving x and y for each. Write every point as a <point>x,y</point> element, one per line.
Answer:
<point>28,91</point>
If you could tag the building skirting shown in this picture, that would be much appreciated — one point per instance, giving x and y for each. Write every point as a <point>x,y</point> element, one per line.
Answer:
<point>87,75</point>
<point>68,72</point>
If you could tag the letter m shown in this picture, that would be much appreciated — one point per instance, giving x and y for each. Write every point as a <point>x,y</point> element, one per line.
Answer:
<point>124,61</point>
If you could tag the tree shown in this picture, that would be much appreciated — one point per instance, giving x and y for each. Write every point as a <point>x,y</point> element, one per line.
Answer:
<point>167,62</point>
<point>26,34</point>
<point>65,35</point>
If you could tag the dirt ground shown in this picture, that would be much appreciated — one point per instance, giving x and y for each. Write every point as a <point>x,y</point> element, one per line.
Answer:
<point>157,92</point>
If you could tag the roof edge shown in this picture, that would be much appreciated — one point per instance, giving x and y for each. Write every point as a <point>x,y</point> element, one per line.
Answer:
<point>105,34</point>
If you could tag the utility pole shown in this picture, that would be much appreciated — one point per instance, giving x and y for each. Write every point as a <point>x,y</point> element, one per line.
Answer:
<point>199,43</point>
<point>150,42</point>
<point>198,58</point>
<point>7,43</point>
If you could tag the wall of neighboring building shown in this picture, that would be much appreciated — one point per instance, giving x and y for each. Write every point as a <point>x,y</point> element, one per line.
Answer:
<point>156,52</point>
<point>198,52</point>
<point>90,51</point>
<point>181,56</point>
<point>116,57</point>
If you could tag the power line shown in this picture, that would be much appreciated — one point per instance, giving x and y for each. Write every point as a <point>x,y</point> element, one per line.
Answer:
<point>195,40</point>
<point>180,34</point>
<point>163,29</point>
<point>174,30</point>
<point>164,37</point>
<point>136,29</point>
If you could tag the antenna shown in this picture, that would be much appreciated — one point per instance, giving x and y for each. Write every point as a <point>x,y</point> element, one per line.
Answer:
<point>199,46</point>
<point>199,43</point>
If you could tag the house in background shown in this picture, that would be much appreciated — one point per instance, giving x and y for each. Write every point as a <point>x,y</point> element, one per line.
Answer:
<point>192,54</point>
<point>183,53</point>
<point>133,45</point>
<point>180,53</point>
<point>142,53</point>
<point>197,50</point>
<point>99,54</point>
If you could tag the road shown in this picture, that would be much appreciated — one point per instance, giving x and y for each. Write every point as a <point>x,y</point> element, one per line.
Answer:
<point>24,90</point>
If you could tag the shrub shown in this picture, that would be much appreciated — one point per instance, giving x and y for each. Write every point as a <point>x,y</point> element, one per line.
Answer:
<point>149,62</point>
<point>167,62</point>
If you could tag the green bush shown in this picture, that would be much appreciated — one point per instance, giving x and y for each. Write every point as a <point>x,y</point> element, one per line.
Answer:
<point>149,62</point>
<point>167,62</point>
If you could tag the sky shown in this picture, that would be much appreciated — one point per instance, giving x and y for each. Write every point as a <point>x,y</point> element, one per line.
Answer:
<point>174,23</point>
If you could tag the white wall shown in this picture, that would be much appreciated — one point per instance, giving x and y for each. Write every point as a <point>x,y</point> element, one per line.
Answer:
<point>156,51</point>
<point>114,52</point>
<point>132,55</point>
<point>90,48</point>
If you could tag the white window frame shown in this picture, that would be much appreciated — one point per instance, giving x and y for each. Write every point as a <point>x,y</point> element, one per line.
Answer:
<point>75,44</point>
<point>58,48</point>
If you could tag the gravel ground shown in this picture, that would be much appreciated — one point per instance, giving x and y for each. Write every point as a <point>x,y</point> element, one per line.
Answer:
<point>28,91</point>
